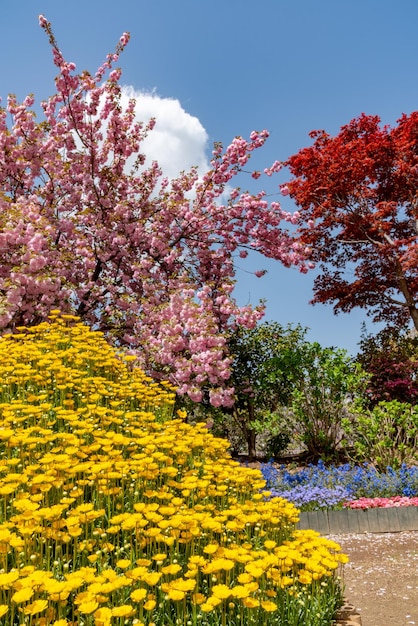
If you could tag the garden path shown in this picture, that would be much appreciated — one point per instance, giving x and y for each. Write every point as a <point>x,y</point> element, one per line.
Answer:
<point>381,579</point>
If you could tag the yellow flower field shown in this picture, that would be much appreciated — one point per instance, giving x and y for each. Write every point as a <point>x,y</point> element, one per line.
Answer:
<point>112,511</point>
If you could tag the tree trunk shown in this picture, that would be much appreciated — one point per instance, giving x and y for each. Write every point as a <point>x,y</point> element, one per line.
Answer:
<point>251,435</point>
<point>414,315</point>
<point>410,302</point>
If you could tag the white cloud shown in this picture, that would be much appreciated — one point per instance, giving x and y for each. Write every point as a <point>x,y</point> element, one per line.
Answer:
<point>178,140</point>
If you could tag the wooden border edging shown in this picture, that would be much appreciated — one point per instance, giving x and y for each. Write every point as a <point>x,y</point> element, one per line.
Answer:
<point>345,521</point>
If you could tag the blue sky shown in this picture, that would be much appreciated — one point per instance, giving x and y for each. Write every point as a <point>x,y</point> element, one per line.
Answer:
<point>211,71</point>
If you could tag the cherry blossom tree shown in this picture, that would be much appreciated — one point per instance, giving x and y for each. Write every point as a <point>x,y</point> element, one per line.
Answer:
<point>89,227</point>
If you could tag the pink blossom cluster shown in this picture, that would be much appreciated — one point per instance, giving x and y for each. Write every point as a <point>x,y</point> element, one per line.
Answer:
<point>148,261</point>
<point>382,503</point>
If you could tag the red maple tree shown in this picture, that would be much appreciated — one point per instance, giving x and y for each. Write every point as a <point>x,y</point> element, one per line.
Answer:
<point>391,358</point>
<point>357,194</point>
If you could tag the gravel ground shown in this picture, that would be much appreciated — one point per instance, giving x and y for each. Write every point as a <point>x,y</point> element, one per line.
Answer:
<point>381,578</point>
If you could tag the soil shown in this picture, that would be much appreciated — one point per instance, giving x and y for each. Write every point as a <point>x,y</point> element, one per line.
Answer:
<point>381,578</point>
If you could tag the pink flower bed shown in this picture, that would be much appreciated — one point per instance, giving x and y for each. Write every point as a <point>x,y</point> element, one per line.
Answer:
<point>382,503</point>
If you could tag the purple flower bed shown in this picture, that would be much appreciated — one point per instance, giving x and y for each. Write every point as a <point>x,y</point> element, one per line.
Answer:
<point>311,498</point>
<point>317,487</point>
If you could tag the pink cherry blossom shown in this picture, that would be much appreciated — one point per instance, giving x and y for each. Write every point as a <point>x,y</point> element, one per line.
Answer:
<point>147,260</point>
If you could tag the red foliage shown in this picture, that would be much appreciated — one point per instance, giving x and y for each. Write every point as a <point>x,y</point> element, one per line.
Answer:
<point>391,359</point>
<point>357,195</point>
<point>392,379</point>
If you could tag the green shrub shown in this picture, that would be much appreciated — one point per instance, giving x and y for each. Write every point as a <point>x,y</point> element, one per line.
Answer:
<point>277,444</point>
<point>386,435</point>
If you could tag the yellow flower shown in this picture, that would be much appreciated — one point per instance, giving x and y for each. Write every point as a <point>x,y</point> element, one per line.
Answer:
<point>305,577</point>
<point>7,579</point>
<point>250,603</point>
<point>81,418</point>
<point>75,531</point>
<point>198,598</point>
<point>176,595</point>
<point>138,595</point>
<point>23,595</point>
<point>245,578</point>
<point>253,586</point>
<point>3,609</point>
<point>197,561</point>
<point>137,573</point>
<point>150,605</point>
<point>240,591</point>
<point>173,568</point>
<point>342,558</point>
<point>255,571</point>
<point>221,591</point>
<point>35,607</point>
<point>88,606</point>
<point>126,610</point>
<point>103,616</point>
<point>58,590</point>
<point>160,556</point>
<point>151,578</point>
<point>182,584</point>
<point>210,548</point>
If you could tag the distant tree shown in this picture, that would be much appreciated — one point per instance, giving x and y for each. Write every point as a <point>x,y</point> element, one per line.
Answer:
<point>286,386</point>
<point>328,383</point>
<point>87,226</point>
<point>357,195</point>
<point>263,369</point>
<point>265,364</point>
<point>391,359</point>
